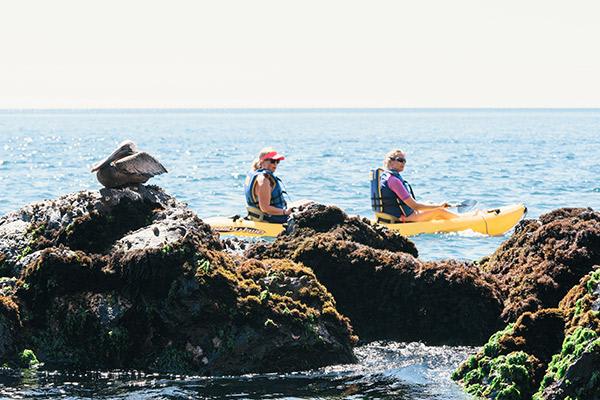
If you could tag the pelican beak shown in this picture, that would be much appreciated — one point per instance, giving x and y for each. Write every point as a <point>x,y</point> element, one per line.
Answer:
<point>117,154</point>
<point>101,164</point>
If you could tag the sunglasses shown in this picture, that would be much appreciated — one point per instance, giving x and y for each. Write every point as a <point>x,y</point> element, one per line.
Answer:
<point>272,161</point>
<point>399,159</point>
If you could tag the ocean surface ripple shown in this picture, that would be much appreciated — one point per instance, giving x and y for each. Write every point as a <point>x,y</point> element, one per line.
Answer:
<point>543,158</point>
<point>386,370</point>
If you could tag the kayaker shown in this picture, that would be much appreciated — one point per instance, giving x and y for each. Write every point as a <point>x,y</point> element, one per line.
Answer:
<point>264,191</point>
<point>392,198</point>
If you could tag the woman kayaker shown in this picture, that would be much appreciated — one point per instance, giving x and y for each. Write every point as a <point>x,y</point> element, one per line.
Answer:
<point>264,191</point>
<point>392,198</point>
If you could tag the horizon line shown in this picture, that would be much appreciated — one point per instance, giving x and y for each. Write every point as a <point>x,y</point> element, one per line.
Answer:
<point>42,109</point>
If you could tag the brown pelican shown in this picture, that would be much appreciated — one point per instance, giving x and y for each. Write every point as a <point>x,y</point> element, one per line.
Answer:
<point>127,166</point>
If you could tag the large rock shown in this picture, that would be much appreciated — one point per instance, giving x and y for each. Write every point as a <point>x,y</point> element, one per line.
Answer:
<point>545,258</point>
<point>379,284</point>
<point>131,278</point>
<point>550,348</point>
<point>318,218</point>
<point>89,221</point>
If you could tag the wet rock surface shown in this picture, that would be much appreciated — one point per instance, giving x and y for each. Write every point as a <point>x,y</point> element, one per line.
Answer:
<point>131,278</point>
<point>379,284</point>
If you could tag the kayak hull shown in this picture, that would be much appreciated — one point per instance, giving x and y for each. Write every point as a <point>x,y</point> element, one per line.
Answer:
<point>243,227</point>
<point>488,222</point>
<point>491,222</point>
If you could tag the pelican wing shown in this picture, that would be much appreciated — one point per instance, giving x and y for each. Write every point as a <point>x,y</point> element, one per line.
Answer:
<point>140,163</point>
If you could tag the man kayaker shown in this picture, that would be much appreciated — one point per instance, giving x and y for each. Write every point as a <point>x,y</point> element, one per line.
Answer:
<point>392,198</point>
<point>264,191</point>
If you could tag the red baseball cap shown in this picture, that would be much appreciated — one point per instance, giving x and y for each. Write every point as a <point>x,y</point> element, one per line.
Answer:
<point>273,156</point>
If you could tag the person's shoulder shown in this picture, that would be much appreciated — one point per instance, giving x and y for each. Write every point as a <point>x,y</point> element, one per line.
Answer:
<point>262,177</point>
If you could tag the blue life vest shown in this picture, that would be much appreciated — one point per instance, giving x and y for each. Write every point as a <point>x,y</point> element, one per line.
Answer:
<point>277,199</point>
<point>384,199</point>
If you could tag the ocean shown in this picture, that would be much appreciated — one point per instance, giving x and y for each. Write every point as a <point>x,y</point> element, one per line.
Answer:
<point>544,158</point>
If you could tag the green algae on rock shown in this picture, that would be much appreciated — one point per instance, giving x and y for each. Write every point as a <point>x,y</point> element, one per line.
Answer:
<point>156,291</point>
<point>561,346</point>
<point>574,372</point>
<point>27,359</point>
<point>511,363</point>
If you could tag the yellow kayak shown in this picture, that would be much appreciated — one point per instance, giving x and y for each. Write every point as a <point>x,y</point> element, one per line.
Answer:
<point>492,222</point>
<point>243,227</point>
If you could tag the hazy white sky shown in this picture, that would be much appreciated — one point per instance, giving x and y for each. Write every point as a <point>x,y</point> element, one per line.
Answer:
<point>278,53</point>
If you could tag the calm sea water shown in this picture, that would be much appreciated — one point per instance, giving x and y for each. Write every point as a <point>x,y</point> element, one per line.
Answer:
<point>543,158</point>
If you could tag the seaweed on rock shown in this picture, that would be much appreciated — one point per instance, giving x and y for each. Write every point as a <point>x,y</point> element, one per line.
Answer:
<point>155,291</point>
<point>10,324</point>
<point>318,218</point>
<point>392,295</point>
<point>544,259</point>
<point>561,346</point>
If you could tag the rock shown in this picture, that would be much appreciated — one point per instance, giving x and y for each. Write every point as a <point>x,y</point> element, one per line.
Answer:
<point>558,352</point>
<point>10,324</point>
<point>318,218</point>
<point>385,291</point>
<point>88,221</point>
<point>573,371</point>
<point>546,264</point>
<point>580,377</point>
<point>234,245</point>
<point>513,361</point>
<point>544,259</point>
<point>7,286</point>
<point>131,278</point>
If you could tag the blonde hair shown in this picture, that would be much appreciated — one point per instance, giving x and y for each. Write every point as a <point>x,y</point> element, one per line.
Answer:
<point>392,154</point>
<point>262,153</point>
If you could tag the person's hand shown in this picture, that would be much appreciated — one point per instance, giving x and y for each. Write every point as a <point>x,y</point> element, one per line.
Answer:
<point>287,211</point>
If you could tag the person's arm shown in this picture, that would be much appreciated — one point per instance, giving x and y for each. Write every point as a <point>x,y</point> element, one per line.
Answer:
<point>263,191</point>
<point>397,187</point>
<point>420,206</point>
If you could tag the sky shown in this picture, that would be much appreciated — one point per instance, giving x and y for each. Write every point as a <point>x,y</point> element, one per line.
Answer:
<point>304,54</point>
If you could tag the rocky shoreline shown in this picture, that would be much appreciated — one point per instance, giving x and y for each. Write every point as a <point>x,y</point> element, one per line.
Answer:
<point>132,278</point>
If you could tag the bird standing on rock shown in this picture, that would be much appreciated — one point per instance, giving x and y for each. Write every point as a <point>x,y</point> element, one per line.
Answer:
<point>127,166</point>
